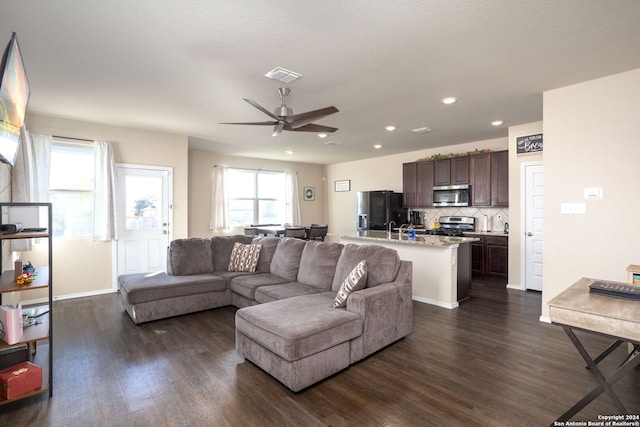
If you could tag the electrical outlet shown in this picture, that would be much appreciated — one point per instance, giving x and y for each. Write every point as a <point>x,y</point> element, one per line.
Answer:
<point>500,218</point>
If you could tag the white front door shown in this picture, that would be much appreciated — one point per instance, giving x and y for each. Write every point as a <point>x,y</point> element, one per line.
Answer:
<point>144,218</point>
<point>534,202</point>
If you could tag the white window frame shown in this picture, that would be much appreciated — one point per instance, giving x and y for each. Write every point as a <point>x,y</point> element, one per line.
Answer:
<point>79,145</point>
<point>256,199</point>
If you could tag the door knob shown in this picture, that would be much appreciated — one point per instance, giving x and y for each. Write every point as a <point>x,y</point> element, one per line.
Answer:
<point>529,234</point>
<point>164,232</point>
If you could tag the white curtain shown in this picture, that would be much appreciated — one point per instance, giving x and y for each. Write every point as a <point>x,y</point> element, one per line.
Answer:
<point>293,199</point>
<point>219,200</point>
<point>104,202</point>
<point>30,175</point>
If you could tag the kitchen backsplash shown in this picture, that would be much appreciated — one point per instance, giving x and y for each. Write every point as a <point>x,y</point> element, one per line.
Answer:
<point>493,223</point>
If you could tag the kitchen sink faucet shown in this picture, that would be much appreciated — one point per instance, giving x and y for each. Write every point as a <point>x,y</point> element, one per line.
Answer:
<point>391,228</point>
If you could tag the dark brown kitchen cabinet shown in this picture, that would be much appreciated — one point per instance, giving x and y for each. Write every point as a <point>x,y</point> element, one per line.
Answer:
<point>480,179</point>
<point>452,171</point>
<point>489,179</point>
<point>417,184</point>
<point>490,256</point>
<point>500,178</point>
<point>409,185</point>
<point>425,183</point>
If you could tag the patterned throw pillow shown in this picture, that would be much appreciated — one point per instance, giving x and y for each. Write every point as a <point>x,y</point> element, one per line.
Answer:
<point>354,281</point>
<point>244,257</point>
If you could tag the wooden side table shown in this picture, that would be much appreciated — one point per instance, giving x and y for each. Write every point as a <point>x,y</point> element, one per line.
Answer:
<point>577,309</point>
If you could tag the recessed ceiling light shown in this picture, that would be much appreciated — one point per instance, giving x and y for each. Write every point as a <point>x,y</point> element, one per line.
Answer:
<point>449,100</point>
<point>322,135</point>
<point>377,146</point>
<point>390,128</point>
<point>289,152</point>
<point>497,122</point>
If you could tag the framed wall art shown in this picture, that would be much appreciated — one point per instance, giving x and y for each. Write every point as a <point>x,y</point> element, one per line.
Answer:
<point>309,194</point>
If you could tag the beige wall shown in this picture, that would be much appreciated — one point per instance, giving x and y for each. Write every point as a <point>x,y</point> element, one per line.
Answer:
<point>591,140</point>
<point>85,267</point>
<point>516,202</point>
<point>380,173</point>
<point>201,165</point>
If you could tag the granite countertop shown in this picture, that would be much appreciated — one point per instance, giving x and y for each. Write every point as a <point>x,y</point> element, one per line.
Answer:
<point>419,240</point>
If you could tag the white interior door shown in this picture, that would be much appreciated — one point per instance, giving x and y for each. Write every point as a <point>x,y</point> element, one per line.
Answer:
<point>534,202</point>
<point>144,218</point>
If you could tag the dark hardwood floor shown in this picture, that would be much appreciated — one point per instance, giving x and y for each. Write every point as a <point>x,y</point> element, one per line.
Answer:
<point>488,363</point>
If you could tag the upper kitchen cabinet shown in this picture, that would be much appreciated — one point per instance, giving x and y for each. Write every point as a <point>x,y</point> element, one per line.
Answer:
<point>409,185</point>
<point>425,175</point>
<point>452,171</point>
<point>417,184</point>
<point>480,179</point>
<point>500,178</point>
<point>489,178</point>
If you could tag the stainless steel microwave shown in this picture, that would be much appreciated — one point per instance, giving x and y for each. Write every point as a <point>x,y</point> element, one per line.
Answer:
<point>452,195</point>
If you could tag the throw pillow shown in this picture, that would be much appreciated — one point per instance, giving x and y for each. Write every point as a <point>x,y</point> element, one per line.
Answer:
<point>244,257</point>
<point>354,281</point>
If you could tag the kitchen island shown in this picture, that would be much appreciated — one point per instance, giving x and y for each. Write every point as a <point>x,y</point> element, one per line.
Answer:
<point>441,264</point>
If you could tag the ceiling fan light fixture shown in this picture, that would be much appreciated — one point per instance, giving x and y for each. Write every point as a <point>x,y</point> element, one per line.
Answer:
<point>283,75</point>
<point>449,100</point>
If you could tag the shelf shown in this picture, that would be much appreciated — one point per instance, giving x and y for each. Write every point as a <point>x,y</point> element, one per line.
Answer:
<point>40,359</point>
<point>24,235</point>
<point>32,333</point>
<point>8,281</point>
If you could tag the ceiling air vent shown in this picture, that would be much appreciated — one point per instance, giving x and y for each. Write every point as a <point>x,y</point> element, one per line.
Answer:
<point>423,129</point>
<point>283,75</point>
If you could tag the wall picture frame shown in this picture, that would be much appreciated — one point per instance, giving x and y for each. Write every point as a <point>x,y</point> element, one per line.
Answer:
<point>309,194</point>
<point>343,185</point>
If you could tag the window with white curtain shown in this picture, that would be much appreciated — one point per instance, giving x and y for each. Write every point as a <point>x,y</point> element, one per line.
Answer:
<point>256,197</point>
<point>71,187</point>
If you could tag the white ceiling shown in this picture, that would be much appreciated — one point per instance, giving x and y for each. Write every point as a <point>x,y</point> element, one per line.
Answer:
<point>184,66</point>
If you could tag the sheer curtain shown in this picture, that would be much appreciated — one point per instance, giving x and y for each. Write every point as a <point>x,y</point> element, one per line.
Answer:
<point>293,199</point>
<point>104,202</point>
<point>30,175</point>
<point>219,199</point>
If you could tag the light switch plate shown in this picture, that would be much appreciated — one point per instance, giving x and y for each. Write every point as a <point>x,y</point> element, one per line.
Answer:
<point>573,208</point>
<point>593,193</point>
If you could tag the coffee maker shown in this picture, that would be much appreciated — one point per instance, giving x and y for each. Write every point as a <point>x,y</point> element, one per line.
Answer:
<point>415,218</point>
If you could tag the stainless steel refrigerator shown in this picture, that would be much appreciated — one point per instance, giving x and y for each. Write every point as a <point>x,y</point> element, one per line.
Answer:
<point>376,209</point>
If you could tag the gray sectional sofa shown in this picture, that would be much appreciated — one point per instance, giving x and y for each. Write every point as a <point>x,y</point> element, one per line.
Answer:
<point>286,323</point>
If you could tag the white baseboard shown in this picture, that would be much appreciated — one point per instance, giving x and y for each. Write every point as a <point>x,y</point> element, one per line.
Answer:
<point>545,319</point>
<point>39,301</point>
<point>516,287</point>
<point>434,302</point>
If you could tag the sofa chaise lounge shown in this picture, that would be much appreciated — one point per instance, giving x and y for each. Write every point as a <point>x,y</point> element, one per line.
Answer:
<point>287,323</point>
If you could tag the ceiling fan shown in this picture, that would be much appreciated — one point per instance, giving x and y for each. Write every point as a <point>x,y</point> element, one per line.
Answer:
<point>284,119</point>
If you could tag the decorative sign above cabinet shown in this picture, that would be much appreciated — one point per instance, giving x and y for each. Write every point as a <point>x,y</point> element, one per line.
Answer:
<point>529,144</point>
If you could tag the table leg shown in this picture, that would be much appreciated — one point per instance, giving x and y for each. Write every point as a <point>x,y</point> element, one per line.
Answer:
<point>605,383</point>
<point>607,351</point>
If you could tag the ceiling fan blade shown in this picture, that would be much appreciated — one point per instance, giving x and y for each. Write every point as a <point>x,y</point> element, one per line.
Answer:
<point>298,120</point>
<point>277,130</point>
<point>311,127</point>
<point>252,123</point>
<point>261,108</point>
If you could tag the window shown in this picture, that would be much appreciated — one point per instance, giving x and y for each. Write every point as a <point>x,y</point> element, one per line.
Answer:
<point>71,188</point>
<point>256,197</point>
